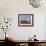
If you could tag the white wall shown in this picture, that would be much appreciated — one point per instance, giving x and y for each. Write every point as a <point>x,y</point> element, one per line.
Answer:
<point>11,8</point>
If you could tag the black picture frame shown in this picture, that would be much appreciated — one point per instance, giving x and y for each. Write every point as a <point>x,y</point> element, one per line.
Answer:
<point>25,20</point>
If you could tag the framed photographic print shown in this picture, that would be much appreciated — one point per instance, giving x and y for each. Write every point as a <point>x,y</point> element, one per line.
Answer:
<point>25,20</point>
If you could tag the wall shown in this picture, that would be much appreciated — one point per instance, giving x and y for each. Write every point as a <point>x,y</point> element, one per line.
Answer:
<point>11,8</point>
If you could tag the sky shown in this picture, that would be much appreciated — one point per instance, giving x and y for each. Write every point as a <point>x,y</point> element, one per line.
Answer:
<point>24,17</point>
